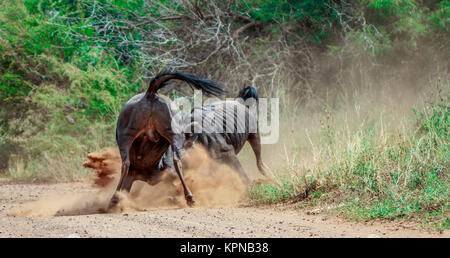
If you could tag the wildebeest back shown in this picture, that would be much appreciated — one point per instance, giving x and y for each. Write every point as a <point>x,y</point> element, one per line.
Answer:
<point>222,123</point>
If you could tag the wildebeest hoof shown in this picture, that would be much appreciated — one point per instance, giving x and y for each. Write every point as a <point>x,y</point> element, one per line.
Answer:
<point>113,203</point>
<point>190,200</point>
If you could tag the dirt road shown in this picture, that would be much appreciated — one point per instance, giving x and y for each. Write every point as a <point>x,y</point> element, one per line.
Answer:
<point>240,221</point>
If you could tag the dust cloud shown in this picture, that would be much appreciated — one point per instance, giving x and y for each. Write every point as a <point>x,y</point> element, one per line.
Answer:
<point>64,205</point>
<point>212,184</point>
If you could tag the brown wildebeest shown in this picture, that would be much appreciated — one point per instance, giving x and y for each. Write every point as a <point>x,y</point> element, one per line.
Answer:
<point>147,127</point>
<point>224,127</point>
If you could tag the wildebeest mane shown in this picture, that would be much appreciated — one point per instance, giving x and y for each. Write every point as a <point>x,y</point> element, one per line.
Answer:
<point>248,92</point>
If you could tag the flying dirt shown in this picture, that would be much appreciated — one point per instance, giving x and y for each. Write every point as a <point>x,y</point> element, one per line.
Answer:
<point>216,185</point>
<point>78,209</point>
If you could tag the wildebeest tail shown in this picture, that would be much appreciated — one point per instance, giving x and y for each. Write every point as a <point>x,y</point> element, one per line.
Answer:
<point>248,92</point>
<point>203,84</point>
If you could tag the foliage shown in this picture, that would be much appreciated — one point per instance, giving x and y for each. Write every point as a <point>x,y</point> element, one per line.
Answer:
<point>379,175</point>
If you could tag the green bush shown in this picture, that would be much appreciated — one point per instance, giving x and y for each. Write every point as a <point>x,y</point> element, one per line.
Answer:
<point>60,90</point>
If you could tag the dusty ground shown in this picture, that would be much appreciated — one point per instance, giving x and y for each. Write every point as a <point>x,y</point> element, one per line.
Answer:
<point>239,221</point>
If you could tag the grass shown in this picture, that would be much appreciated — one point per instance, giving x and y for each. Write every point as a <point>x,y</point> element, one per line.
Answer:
<point>377,172</point>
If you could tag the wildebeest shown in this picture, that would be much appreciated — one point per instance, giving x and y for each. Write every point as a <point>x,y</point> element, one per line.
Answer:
<point>147,127</point>
<point>224,127</point>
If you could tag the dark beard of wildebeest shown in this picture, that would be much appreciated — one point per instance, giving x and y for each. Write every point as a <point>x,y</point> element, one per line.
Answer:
<point>147,126</point>
<point>224,140</point>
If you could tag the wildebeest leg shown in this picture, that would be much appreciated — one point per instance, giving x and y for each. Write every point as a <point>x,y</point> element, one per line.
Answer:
<point>128,181</point>
<point>255,141</point>
<point>124,143</point>
<point>187,193</point>
<point>231,159</point>
<point>176,142</point>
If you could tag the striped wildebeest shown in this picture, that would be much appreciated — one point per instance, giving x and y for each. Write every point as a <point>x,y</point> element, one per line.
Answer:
<point>223,128</point>
<point>147,126</point>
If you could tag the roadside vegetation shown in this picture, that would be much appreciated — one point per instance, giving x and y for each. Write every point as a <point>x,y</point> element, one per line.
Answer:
<point>363,87</point>
<point>372,166</point>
